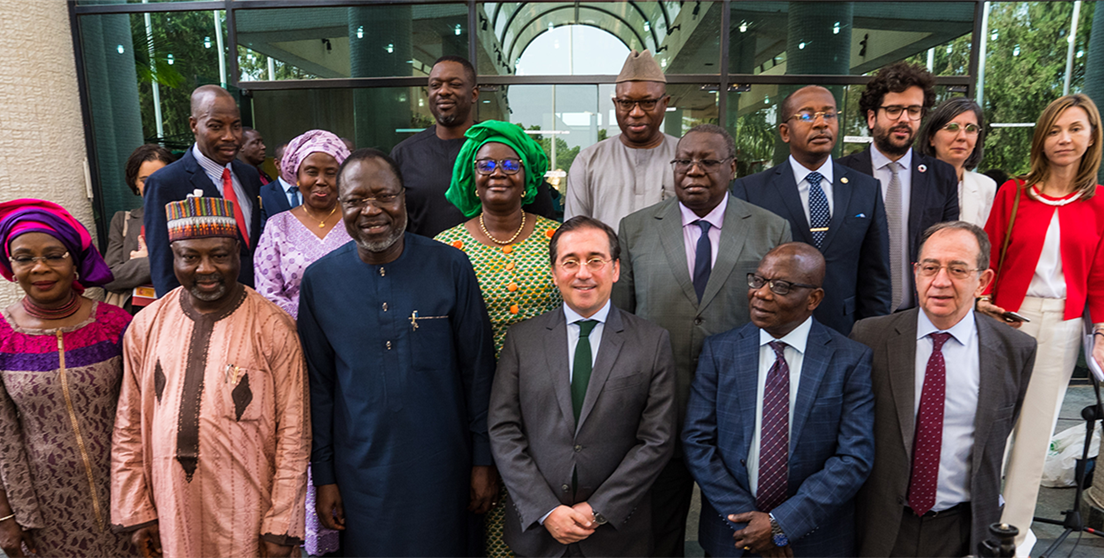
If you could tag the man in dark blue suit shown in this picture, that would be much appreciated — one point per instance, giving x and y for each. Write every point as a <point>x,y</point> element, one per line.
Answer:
<point>918,191</point>
<point>278,195</point>
<point>205,170</point>
<point>779,432</point>
<point>836,209</point>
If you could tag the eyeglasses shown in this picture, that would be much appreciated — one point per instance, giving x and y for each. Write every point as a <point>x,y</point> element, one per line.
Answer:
<point>777,286</point>
<point>809,116</point>
<point>894,111</point>
<point>51,260</point>
<point>378,201</point>
<point>628,104</point>
<point>954,127</point>
<point>956,271</point>
<point>707,165</point>
<point>488,166</point>
<point>593,264</point>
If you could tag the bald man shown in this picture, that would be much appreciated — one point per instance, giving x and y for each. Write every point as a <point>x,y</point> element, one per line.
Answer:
<point>779,430</point>
<point>209,168</point>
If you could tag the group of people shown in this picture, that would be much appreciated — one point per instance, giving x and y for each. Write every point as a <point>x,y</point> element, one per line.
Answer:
<point>405,355</point>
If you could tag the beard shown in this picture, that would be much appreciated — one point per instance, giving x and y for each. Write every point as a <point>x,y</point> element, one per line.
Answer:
<point>208,296</point>
<point>390,240</point>
<point>884,140</point>
<point>447,120</point>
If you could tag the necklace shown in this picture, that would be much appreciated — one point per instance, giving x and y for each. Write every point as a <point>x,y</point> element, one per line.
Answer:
<point>1070,198</point>
<point>483,227</point>
<point>41,313</point>
<point>321,223</point>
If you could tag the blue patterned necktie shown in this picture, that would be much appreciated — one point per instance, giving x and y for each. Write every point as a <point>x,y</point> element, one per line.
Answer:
<point>774,434</point>
<point>293,196</point>
<point>703,258</point>
<point>819,215</point>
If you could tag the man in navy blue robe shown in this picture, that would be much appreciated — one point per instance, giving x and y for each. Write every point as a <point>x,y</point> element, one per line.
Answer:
<point>400,354</point>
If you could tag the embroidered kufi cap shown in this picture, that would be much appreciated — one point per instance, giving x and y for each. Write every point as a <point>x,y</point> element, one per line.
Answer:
<point>197,217</point>
<point>640,66</point>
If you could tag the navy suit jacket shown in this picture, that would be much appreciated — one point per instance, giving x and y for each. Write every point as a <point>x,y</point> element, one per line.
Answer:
<point>273,199</point>
<point>173,183</point>
<point>856,246</point>
<point>933,199</point>
<point>831,440</point>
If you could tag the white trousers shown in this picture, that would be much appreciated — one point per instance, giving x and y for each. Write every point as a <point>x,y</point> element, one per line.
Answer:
<point>1059,345</point>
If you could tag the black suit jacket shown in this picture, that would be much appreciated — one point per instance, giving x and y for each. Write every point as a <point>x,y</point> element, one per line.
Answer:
<point>856,247</point>
<point>273,199</point>
<point>933,199</point>
<point>174,183</point>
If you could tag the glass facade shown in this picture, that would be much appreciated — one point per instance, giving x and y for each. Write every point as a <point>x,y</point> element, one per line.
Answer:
<point>358,68</point>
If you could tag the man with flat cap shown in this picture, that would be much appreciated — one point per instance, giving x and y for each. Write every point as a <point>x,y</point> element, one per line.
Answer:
<point>631,171</point>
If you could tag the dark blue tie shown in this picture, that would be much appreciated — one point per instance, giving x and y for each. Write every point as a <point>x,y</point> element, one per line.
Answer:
<point>703,259</point>
<point>293,196</point>
<point>819,215</point>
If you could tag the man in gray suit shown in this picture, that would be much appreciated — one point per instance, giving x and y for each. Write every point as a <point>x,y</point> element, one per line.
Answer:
<point>948,385</point>
<point>582,415</point>
<point>685,267</point>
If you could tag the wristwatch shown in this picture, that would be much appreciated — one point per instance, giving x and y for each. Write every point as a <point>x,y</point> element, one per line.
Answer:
<point>599,518</point>
<point>777,536</point>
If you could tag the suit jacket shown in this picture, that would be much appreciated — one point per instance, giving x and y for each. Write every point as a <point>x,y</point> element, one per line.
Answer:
<point>624,437</point>
<point>273,199</point>
<point>933,197</point>
<point>173,183</point>
<point>976,201</point>
<point>831,440</point>
<point>656,283</point>
<point>1006,359</point>
<point>856,246</point>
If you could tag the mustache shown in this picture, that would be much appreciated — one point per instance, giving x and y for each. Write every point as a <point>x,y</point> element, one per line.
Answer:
<point>210,277</point>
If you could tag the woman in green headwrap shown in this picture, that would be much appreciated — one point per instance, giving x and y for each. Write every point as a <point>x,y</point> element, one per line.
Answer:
<point>498,169</point>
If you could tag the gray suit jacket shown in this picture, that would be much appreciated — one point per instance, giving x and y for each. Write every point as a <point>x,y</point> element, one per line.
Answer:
<point>1006,359</point>
<point>624,438</point>
<point>656,284</point>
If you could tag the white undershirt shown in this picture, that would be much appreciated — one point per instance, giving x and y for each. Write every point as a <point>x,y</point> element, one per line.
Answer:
<point>1049,281</point>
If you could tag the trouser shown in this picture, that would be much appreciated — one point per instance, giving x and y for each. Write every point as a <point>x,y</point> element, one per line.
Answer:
<point>944,533</point>
<point>1059,344</point>
<point>671,496</point>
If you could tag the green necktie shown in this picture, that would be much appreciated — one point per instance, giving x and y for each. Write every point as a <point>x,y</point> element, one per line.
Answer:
<point>580,375</point>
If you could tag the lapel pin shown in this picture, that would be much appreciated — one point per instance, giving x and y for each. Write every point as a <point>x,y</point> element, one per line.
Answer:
<point>922,168</point>
<point>843,180</point>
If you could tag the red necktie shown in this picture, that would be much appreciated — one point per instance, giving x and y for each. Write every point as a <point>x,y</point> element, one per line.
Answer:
<point>929,430</point>
<point>229,193</point>
<point>774,437</point>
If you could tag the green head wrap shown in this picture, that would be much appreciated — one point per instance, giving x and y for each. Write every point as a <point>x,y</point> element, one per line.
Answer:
<point>461,191</point>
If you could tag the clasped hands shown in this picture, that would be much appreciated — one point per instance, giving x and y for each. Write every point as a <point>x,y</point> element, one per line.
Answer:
<point>756,537</point>
<point>569,525</point>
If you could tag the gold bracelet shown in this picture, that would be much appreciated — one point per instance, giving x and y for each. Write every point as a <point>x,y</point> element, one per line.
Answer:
<point>986,298</point>
<point>3,519</point>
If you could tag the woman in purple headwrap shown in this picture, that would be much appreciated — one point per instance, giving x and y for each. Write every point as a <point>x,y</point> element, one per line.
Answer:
<point>294,239</point>
<point>60,368</point>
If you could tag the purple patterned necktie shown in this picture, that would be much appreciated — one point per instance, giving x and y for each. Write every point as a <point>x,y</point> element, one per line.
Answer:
<point>929,430</point>
<point>774,437</point>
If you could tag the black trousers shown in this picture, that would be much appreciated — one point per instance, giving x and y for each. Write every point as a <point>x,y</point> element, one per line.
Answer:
<point>671,496</point>
<point>945,533</point>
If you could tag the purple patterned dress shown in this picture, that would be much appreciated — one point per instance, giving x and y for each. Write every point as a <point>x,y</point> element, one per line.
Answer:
<point>57,413</point>
<point>284,251</point>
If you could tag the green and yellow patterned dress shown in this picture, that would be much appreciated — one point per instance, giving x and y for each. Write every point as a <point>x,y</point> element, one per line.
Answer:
<point>517,285</point>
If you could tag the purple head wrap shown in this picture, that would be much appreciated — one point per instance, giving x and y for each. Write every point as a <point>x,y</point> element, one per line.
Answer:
<point>313,141</point>
<point>29,215</point>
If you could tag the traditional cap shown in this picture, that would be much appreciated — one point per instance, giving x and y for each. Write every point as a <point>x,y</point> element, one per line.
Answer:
<point>30,215</point>
<point>640,66</point>
<point>197,217</point>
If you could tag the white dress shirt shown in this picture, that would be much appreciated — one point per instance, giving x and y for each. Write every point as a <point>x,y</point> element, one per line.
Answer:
<point>801,174</point>
<point>214,172</point>
<point>691,232</point>
<point>900,236</point>
<point>573,330</point>
<point>1049,280</point>
<point>794,353</point>
<point>960,353</point>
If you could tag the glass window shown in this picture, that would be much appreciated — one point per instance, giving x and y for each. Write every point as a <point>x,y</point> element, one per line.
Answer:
<point>845,38</point>
<point>398,40</point>
<point>140,71</point>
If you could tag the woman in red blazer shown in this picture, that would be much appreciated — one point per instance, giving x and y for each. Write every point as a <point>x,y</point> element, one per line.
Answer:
<point>1047,232</point>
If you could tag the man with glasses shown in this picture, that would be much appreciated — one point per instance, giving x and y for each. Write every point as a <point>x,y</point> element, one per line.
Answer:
<point>684,267</point>
<point>782,383</point>
<point>836,209</point>
<point>948,385</point>
<point>919,191</point>
<point>628,172</point>
<point>399,350</point>
<point>582,415</point>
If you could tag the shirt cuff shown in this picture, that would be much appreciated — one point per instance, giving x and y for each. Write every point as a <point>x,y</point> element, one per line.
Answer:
<point>322,473</point>
<point>545,516</point>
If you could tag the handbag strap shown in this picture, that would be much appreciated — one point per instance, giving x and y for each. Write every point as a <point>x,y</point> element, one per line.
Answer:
<point>1008,232</point>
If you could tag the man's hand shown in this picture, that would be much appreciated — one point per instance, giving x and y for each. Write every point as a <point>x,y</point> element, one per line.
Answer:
<point>756,537</point>
<point>148,541</point>
<point>272,550</point>
<point>328,506</point>
<point>484,488</point>
<point>13,539</point>
<point>568,525</point>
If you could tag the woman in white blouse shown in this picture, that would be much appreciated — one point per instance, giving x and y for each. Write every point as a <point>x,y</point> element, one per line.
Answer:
<point>954,134</point>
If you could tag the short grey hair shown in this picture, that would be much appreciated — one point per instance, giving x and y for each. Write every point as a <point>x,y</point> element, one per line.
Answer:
<point>982,239</point>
